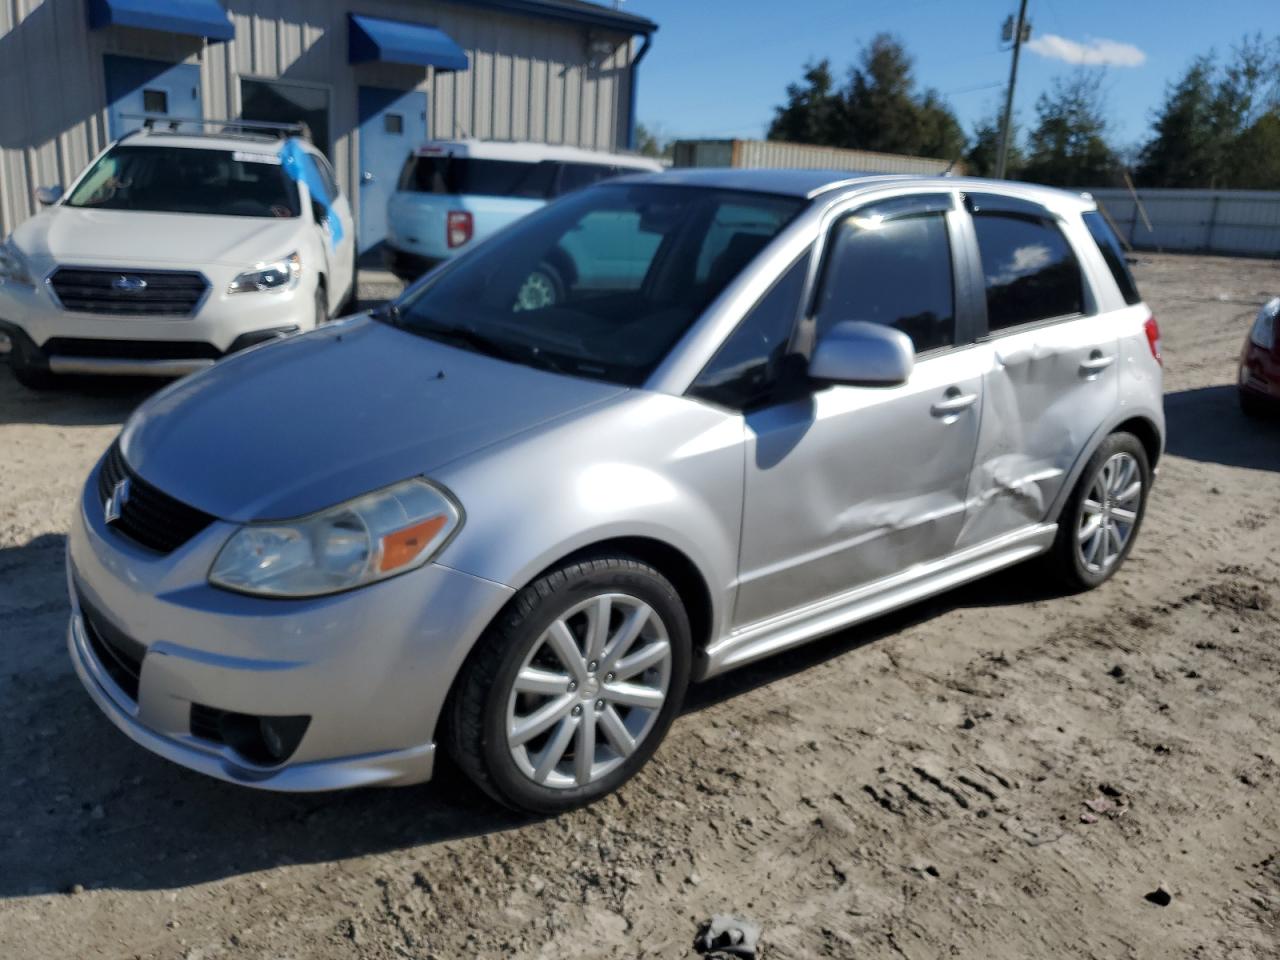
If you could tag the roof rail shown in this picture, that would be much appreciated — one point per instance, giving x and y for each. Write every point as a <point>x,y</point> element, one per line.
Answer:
<point>260,128</point>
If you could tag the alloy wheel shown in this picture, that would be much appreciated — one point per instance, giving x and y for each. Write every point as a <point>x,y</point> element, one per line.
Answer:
<point>589,691</point>
<point>1109,512</point>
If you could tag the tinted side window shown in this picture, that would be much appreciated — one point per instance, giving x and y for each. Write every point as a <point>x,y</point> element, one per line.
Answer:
<point>749,362</point>
<point>1030,270</point>
<point>893,272</point>
<point>1113,253</point>
<point>490,178</point>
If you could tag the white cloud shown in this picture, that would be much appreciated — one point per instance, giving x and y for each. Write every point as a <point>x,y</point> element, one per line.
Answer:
<point>1095,52</point>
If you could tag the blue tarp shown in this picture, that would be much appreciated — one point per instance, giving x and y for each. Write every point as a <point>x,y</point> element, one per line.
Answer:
<point>393,41</point>
<point>195,18</point>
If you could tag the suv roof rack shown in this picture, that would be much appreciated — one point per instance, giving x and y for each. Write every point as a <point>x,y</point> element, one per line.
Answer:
<point>256,129</point>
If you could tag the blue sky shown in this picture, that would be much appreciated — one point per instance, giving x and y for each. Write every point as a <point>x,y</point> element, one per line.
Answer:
<point>718,67</point>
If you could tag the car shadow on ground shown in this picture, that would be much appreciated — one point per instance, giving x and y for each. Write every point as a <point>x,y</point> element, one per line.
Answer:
<point>81,804</point>
<point>74,401</point>
<point>1207,424</point>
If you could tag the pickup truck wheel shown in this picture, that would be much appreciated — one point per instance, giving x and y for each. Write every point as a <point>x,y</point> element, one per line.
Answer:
<point>571,689</point>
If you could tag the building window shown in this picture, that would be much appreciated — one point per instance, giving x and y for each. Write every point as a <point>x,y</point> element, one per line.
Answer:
<point>393,123</point>
<point>278,101</point>
<point>155,101</point>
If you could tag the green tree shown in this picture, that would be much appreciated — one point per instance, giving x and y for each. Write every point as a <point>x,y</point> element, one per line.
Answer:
<point>1068,146</point>
<point>650,142</point>
<point>1254,161</point>
<point>1212,117</point>
<point>980,159</point>
<point>878,108</point>
<point>813,108</point>
<point>1182,152</point>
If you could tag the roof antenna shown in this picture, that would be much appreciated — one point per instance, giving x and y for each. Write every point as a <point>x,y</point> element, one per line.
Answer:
<point>951,166</point>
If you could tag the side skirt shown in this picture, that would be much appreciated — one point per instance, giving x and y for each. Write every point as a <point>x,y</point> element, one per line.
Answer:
<point>766,637</point>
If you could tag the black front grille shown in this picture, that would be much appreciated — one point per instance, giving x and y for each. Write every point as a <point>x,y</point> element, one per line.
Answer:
<point>264,740</point>
<point>120,655</point>
<point>206,722</point>
<point>131,349</point>
<point>152,293</point>
<point>147,516</point>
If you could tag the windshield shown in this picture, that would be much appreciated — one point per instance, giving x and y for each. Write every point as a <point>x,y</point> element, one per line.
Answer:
<point>602,283</point>
<point>250,183</point>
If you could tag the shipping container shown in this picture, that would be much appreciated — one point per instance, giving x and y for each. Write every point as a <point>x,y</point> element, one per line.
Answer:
<point>779,154</point>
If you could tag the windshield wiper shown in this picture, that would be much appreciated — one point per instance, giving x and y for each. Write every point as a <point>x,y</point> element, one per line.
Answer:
<point>470,337</point>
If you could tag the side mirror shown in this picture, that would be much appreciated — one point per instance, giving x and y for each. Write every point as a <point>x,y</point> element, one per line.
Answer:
<point>48,196</point>
<point>861,353</point>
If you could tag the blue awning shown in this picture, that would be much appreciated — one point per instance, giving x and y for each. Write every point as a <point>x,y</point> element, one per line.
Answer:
<point>195,18</point>
<point>394,41</point>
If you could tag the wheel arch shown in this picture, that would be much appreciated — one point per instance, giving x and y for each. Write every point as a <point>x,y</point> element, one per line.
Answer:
<point>1143,425</point>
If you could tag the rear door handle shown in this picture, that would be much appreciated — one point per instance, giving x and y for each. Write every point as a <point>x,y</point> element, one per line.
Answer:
<point>1097,362</point>
<point>955,403</point>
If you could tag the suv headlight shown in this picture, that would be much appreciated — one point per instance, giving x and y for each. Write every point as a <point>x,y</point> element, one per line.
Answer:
<point>283,274</point>
<point>13,267</point>
<point>1263,333</point>
<point>370,538</point>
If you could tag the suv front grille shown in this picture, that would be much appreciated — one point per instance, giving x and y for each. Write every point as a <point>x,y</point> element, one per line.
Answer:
<point>153,293</point>
<point>148,516</point>
<point>120,656</point>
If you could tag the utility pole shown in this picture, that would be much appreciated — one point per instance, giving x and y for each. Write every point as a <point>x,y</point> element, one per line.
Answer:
<point>1021,31</point>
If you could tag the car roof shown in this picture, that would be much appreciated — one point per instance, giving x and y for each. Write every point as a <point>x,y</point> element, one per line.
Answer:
<point>532,153</point>
<point>811,184</point>
<point>248,143</point>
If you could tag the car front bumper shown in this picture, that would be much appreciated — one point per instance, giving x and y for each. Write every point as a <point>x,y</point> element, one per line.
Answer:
<point>1260,373</point>
<point>67,341</point>
<point>370,668</point>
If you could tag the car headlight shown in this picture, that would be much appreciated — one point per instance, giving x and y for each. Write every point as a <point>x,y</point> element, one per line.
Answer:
<point>13,268</point>
<point>283,274</point>
<point>1263,333</point>
<point>370,538</point>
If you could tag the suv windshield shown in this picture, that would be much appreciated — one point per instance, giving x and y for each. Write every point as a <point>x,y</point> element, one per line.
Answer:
<point>601,284</point>
<point>249,183</point>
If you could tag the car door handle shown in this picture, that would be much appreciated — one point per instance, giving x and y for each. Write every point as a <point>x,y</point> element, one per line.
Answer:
<point>1097,362</point>
<point>955,403</point>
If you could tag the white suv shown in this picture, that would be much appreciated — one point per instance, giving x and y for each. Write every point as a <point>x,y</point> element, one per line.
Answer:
<point>173,249</point>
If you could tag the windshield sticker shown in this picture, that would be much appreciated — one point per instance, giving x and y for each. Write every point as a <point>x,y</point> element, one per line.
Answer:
<point>242,157</point>
<point>299,166</point>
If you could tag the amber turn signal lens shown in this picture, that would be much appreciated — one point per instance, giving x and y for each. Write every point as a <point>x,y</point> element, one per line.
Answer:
<point>404,545</point>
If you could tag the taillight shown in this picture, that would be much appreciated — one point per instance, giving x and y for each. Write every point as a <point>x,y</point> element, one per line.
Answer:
<point>459,228</point>
<point>1152,330</point>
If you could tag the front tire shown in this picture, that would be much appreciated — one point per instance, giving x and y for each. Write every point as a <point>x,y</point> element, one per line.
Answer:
<point>321,305</point>
<point>570,691</point>
<point>1100,521</point>
<point>29,368</point>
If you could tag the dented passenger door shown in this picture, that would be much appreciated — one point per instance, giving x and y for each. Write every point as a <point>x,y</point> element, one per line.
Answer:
<point>1051,375</point>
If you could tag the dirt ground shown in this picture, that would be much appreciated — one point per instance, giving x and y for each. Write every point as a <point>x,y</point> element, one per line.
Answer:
<point>915,788</point>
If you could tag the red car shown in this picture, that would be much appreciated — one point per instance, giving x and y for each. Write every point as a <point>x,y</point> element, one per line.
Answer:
<point>1260,363</point>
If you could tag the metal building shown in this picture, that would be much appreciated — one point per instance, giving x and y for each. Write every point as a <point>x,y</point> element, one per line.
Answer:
<point>370,77</point>
<point>779,153</point>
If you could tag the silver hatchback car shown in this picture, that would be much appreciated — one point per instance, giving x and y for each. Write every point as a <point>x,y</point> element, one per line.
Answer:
<point>767,405</point>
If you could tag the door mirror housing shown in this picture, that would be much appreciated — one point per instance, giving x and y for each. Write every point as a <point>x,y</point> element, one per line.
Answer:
<point>48,196</point>
<point>864,354</point>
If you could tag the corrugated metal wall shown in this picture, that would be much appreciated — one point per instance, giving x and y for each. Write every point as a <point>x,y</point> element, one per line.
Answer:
<point>530,78</point>
<point>1211,221</point>
<point>775,154</point>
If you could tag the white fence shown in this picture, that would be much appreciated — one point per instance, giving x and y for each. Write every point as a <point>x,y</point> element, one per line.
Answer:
<point>1208,221</point>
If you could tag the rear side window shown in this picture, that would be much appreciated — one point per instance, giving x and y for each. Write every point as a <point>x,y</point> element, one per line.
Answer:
<point>1030,270</point>
<point>750,361</point>
<point>485,178</point>
<point>893,272</point>
<point>1113,253</point>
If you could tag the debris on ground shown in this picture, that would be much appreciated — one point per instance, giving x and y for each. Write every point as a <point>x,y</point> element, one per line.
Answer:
<point>724,937</point>
<point>1161,896</point>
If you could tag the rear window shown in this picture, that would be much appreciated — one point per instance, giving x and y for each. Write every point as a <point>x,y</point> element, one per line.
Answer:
<point>1030,270</point>
<point>486,178</point>
<point>1113,253</point>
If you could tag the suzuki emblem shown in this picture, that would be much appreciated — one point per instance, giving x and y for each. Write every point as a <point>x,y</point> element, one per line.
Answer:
<point>115,503</point>
<point>130,284</point>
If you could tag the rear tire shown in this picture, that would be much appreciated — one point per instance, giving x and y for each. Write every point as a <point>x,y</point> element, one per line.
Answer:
<point>1101,519</point>
<point>544,665</point>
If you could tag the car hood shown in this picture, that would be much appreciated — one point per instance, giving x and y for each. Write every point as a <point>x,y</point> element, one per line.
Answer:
<point>130,238</point>
<point>298,425</point>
